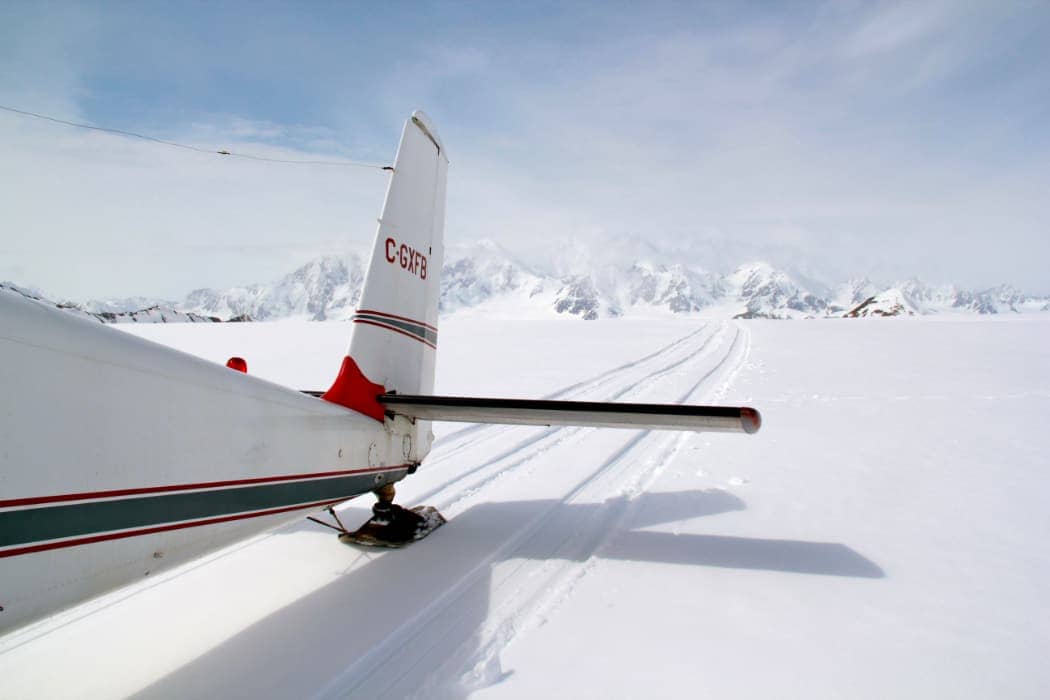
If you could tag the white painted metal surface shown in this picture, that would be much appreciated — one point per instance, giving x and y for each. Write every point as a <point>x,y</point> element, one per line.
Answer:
<point>395,331</point>
<point>89,410</point>
<point>120,457</point>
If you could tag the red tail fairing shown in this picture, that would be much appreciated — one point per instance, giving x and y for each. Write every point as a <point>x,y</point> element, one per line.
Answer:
<point>354,390</point>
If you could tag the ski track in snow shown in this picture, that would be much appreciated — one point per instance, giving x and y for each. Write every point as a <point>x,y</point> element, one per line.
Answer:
<point>528,507</point>
<point>571,392</point>
<point>582,482</point>
<point>526,449</point>
<point>560,544</point>
<point>877,535</point>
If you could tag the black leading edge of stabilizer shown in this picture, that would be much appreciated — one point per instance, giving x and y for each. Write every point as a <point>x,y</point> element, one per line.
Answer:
<point>734,419</point>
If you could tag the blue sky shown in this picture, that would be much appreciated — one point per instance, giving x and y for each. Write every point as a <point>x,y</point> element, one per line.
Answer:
<point>891,139</point>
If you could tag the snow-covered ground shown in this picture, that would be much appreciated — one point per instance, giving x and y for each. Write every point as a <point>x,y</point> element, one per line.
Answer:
<point>884,535</point>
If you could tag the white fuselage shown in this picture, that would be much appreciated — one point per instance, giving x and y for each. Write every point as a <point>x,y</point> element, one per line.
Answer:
<point>120,457</point>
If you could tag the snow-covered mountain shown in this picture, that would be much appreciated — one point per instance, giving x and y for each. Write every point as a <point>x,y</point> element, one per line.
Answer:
<point>850,293</point>
<point>579,296</point>
<point>767,292</point>
<point>153,313</point>
<point>891,302</point>
<point>915,297</point>
<point>326,288</point>
<point>661,288</point>
<point>474,275</point>
<point>125,305</point>
<point>606,282</point>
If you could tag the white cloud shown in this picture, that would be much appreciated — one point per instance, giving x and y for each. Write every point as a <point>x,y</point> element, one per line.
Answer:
<point>92,214</point>
<point>895,25</point>
<point>898,138</point>
<point>765,131</point>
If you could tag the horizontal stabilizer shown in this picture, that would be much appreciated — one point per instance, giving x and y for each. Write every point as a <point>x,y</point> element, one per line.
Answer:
<point>727,419</point>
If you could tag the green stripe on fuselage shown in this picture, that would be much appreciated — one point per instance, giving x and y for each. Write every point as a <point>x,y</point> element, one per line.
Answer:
<point>79,519</point>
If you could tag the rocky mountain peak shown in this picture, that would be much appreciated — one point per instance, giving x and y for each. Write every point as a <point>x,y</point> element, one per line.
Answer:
<point>625,278</point>
<point>891,302</point>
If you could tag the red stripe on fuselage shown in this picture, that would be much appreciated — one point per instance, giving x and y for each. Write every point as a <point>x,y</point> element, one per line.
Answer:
<point>91,495</point>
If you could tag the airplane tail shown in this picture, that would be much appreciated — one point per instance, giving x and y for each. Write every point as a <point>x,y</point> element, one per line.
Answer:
<point>388,373</point>
<point>394,338</point>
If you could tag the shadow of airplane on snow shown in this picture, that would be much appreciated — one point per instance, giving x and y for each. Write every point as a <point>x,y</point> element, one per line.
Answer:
<point>366,633</point>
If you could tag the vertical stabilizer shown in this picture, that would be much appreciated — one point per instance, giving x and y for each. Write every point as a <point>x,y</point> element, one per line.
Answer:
<point>395,335</point>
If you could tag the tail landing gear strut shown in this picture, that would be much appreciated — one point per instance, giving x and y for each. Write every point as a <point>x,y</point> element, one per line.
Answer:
<point>394,526</point>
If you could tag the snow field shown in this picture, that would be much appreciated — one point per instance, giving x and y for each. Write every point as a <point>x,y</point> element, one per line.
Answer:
<point>883,535</point>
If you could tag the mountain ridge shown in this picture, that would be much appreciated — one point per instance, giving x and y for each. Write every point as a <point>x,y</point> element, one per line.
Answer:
<point>485,278</point>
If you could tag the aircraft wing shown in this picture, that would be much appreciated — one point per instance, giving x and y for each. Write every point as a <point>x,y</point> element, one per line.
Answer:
<point>730,419</point>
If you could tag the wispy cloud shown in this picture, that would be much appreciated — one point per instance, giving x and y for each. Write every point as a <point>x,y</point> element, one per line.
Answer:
<point>893,26</point>
<point>904,136</point>
<point>95,214</point>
